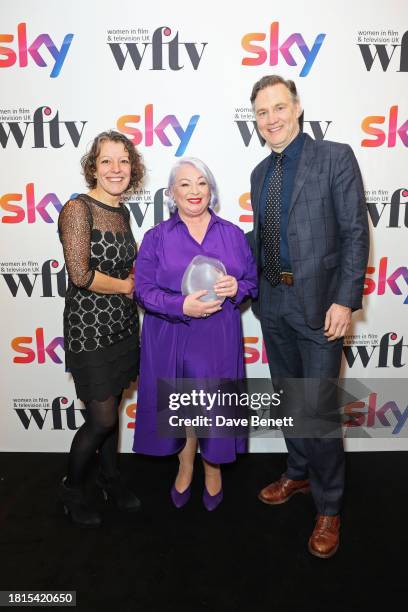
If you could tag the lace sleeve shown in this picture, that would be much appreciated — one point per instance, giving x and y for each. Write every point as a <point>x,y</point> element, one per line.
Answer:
<point>74,226</point>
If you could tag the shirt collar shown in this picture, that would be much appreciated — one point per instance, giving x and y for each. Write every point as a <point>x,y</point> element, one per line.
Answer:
<point>175,220</point>
<point>294,148</point>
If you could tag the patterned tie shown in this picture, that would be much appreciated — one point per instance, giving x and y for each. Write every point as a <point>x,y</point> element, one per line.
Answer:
<point>271,228</point>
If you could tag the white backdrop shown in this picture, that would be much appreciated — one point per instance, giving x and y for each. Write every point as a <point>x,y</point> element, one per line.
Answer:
<point>176,79</point>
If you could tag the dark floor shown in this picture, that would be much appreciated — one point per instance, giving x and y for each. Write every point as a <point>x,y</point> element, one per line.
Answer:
<point>243,556</point>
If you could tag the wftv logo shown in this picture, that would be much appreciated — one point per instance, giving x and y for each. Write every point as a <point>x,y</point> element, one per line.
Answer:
<point>377,353</point>
<point>384,353</point>
<point>37,128</point>
<point>380,136</point>
<point>53,415</point>
<point>274,48</point>
<point>384,51</point>
<point>144,198</point>
<point>29,281</point>
<point>154,50</point>
<point>137,136</point>
<point>384,279</point>
<point>379,211</point>
<point>247,129</point>
<point>32,210</point>
<point>22,345</point>
<point>24,50</point>
<point>382,212</point>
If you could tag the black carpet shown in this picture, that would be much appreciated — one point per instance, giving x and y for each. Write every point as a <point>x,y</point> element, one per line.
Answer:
<point>244,556</point>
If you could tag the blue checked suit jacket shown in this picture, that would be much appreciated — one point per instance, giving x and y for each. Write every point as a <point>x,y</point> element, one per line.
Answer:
<point>327,228</point>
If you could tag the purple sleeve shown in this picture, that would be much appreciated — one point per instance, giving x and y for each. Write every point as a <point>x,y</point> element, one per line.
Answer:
<point>248,282</point>
<point>149,295</point>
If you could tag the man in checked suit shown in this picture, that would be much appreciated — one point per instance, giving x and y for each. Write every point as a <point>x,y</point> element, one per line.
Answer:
<point>311,243</point>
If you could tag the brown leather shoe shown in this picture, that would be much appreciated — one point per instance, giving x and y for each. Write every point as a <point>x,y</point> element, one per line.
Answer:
<point>281,490</point>
<point>324,540</point>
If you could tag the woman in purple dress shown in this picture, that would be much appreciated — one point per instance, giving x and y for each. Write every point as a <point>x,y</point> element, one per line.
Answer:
<point>183,336</point>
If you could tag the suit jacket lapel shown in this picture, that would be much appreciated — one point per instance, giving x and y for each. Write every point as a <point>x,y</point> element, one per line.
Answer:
<point>306,159</point>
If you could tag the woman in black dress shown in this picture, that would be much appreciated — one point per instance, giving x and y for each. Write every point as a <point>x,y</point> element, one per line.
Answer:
<point>101,325</point>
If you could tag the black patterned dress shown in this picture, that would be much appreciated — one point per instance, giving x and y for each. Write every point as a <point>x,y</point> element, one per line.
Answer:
<point>101,331</point>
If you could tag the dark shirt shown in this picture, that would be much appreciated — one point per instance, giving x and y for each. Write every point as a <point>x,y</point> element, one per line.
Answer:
<point>290,164</point>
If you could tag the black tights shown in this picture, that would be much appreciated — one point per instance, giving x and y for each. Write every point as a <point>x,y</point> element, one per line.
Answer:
<point>100,432</point>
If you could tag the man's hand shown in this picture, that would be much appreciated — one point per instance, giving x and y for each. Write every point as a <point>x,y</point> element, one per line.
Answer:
<point>337,322</point>
<point>194,307</point>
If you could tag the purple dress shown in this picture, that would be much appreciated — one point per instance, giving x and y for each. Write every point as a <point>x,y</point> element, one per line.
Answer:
<point>177,346</point>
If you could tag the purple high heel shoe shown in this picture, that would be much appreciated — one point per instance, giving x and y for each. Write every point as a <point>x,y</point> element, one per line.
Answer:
<point>211,502</point>
<point>180,499</point>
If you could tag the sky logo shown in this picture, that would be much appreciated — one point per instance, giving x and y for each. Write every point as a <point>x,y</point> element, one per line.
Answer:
<point>393,214</point>
<point>245,203</point>
<point>31,208</point>
<point>396,281</point>
<point>369,414</point>
<point>23,344</point>
<point>146,137</point>
<point>254,350</point>
<point>130,411</point>
<point>35,50</point>
<point>285,49</point>
<point>389,135</point>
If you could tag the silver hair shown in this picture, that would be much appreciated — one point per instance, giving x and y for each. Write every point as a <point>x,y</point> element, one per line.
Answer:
<point>201,167</point>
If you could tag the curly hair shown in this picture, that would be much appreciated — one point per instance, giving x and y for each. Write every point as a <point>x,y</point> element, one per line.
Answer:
<point>88,161</point>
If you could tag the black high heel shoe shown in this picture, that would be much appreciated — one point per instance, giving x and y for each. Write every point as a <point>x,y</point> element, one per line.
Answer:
<point>113,488</point>
<point>77,508</point>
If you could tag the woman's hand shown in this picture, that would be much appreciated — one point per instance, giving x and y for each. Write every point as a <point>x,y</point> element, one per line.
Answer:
<point>227,287</point>
<point>193,307</point>
<point>129,285</point>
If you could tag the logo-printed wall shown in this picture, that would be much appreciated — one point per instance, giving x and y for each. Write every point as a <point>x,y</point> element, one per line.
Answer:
<point>176,80</point>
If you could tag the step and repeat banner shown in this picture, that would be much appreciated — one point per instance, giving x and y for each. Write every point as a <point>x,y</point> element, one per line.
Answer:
<point>176,79</point>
